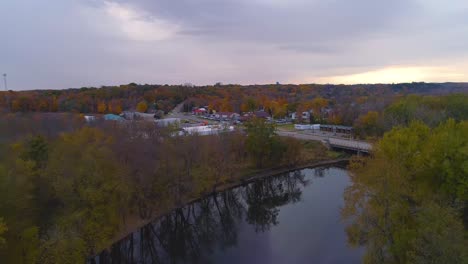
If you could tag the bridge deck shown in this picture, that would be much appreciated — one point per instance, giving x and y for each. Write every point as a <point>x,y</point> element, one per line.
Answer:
<point>350,144</point>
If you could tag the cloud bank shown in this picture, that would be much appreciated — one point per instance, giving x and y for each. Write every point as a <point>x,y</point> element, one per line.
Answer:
<point>59,44</point>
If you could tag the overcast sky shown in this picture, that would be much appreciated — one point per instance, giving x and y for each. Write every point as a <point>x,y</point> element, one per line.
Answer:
<point>73,43</point>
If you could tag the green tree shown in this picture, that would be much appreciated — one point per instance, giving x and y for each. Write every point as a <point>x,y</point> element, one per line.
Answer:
<point>262,143</point>
<point>18,208</point>
<point>439,237</point>
<point>416,175</point>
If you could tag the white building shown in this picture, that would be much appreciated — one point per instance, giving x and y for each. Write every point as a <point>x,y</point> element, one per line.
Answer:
<point>304,116</point>
<point>206,130</point>
<point>89,118</point>
<point>314,127</point>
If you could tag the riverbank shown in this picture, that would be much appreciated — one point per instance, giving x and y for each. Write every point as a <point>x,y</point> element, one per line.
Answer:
<point>271,172</point>
<point>136,223</point>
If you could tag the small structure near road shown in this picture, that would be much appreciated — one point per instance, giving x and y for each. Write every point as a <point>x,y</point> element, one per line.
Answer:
<point>256,114</point>
<point>314,127</point>
<point>337,129</point>
<point>167,122</point>
<point>130,115</point>
<point>89,118</point>
<point>200,111</point>
<point>226,116</point>
<point>112,117</point>
<point>206,130</point>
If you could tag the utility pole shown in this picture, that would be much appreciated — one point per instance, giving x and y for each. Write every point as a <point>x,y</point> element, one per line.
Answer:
<point>5,81</point>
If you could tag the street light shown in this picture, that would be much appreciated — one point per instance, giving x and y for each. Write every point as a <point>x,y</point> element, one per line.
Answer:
<point>5,81</point>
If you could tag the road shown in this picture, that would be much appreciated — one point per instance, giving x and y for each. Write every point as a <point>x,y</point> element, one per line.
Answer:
<point>177,113</point>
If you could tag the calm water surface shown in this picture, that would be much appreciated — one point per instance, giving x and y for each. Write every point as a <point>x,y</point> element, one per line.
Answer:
<point>291,218</point>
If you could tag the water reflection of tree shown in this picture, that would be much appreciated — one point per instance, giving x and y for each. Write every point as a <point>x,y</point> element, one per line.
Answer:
<point>191,233</point>
<point>264,198</point>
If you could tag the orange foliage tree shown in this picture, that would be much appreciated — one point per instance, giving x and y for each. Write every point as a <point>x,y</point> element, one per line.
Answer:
<point>142,107</point>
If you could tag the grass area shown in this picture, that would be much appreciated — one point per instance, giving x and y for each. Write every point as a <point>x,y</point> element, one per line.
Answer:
<point>316,151</point>
<point>285,127</point>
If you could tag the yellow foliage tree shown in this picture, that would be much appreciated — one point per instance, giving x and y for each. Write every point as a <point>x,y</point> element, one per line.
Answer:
<point>101,107</point>
<point>142,107</point>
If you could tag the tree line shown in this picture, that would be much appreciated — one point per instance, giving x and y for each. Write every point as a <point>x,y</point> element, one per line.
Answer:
<point>431,110</point>
<point>334,104</point>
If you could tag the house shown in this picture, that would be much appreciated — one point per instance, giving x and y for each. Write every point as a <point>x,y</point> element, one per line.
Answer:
<point>304,116</point>
<point>261,114</point>
<point>200,111</point>
<point>257,114</point>
<point>293,116</point>
<point>227,116</point>
<point>89,118</point>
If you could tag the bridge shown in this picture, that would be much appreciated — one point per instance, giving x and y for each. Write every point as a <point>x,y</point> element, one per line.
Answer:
<point>353,145</point>
<point>332,142</point>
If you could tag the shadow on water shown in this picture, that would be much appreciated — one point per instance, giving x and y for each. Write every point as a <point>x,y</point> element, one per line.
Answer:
<point>189,234</point>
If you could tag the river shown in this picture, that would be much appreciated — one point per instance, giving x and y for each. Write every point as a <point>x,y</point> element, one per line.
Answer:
<point>289,218</point>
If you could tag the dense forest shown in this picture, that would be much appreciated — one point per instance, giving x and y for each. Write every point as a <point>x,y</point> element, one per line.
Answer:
<point>409,201</point>
<point>68,190</point>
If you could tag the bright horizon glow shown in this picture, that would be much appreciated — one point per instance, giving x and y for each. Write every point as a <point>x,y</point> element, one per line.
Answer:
<point>399,74</point>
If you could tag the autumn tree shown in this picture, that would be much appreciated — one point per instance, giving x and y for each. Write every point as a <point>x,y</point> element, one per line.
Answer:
<point>102,107</point>
<point>369,124</point>
<point>90,194</point>
<point>142,107</point>
<point>406,200</point>
<point>317,106</point>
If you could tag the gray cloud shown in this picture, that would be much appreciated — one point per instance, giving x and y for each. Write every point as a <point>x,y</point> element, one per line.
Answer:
<point>60,44</point>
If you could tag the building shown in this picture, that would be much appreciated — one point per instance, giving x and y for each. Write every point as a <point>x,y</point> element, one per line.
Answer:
<point>337,129</point>
<point>89,118</point>
<point>257,114</point>
<point>167,122</point>
<point>262,114</point>
<point>200,111</point>
<point>112,117</point>
<point>130,115</point>
<point>304,116</point>
<point>314,127</point>
<point>206,130</point>
<point>227,116</point>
